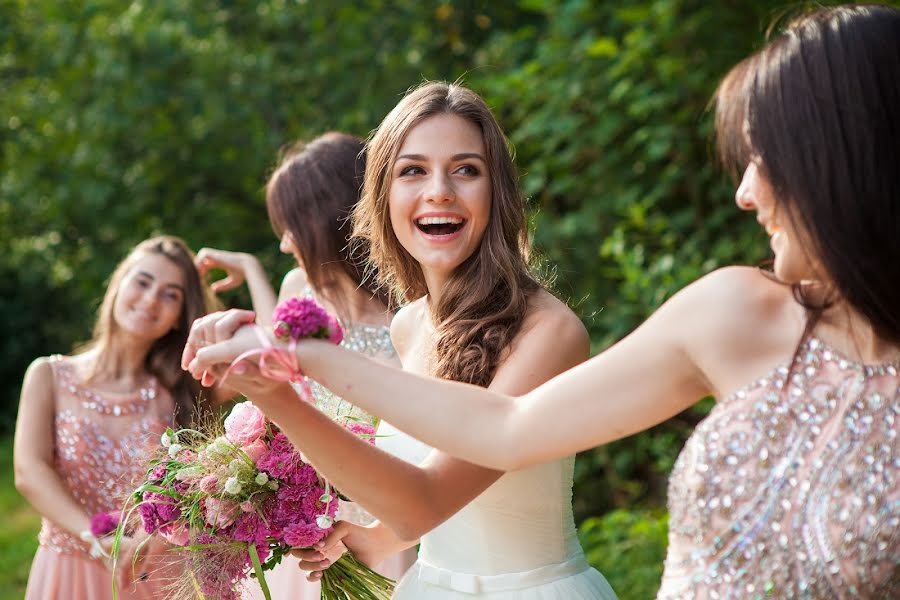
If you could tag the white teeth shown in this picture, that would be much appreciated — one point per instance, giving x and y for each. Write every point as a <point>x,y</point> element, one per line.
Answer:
<point>439,221</point>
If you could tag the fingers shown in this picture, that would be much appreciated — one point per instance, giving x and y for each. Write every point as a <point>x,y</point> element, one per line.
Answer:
<point>326,546</point>
<point>230,282</point>
<point>230,262</point>
<point>225,352</point>
<point>213,328</point>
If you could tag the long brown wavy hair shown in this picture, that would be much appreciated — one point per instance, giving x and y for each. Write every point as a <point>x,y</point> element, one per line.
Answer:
<point>164,358</point>
<point>482,307</point>
<point>311,195</point>
<point>820,107</point>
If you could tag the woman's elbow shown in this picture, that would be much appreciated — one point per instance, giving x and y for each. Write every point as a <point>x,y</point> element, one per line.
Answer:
<point>410,527</point>
<point>24,478</point>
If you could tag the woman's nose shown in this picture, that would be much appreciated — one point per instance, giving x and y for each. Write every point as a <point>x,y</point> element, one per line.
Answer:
<point>440,189</point>
<point>743,196</point>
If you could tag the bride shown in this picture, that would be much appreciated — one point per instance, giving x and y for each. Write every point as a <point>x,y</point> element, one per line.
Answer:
<point>444,217</point>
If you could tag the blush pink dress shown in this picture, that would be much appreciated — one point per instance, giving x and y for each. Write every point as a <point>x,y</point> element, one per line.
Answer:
<point>101,442</point>
<point>789,488</point>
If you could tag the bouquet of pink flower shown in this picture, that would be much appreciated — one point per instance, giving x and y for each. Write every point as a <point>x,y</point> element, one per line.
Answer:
<point>236,503</point>
<point>236,499</point>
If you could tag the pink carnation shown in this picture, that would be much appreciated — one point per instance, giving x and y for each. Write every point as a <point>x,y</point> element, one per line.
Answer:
<point>281,460</point>
<point>303,535</point>
<point>245,424</point>
<point>301,318</point>
<point>249,527</point>
<point>157,510</point>
<point>104,523</point>
<point>158,472</point>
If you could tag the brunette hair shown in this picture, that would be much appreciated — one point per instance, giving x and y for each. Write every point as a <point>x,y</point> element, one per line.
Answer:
<point>164,358</point>
<point>820,108</point>
<point>310,195</point>
<point>484,303</point>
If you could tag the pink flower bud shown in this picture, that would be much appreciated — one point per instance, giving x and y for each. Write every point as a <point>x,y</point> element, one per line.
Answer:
<point>282,330</point>
<point>210,484</point>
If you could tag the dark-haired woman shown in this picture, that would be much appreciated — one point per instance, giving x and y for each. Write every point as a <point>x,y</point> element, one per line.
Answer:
<point>87,422</point>
<point>789,488</point>
<point>442,213</point>
<point>309,198</point>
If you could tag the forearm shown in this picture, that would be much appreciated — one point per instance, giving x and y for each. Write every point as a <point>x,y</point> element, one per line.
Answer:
<point>48,496</point>
<point>389,488</point>
<point>464,420</point>
<point>261,293</point>
<point>606,398</point>
<point>387,542</point>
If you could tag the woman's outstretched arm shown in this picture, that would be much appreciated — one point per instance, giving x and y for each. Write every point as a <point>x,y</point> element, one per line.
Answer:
<point>651,375</point>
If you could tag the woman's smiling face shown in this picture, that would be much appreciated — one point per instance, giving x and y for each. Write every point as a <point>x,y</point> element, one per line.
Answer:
<point>440,193</point>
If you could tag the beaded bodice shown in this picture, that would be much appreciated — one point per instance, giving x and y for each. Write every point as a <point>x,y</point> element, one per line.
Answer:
<point>101,442</point>
<point>789,488</point>
<point>373,341</point>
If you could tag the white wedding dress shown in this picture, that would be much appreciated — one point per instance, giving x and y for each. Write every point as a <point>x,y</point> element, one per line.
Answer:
<point>517,540</point>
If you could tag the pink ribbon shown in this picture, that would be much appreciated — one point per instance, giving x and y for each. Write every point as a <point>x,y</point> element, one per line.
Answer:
<point>276,364</point>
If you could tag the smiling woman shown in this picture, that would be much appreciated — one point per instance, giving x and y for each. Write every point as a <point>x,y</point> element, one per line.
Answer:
<point>87,421</point>
<point>444,218</point>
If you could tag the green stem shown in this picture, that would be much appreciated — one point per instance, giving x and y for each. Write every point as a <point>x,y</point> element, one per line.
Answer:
<point>257,567</point>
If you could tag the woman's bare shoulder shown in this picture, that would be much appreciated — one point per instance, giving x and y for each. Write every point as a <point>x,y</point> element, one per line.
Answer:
<point>551,319</point>
<point>405,323</point>
<point>294,283</point>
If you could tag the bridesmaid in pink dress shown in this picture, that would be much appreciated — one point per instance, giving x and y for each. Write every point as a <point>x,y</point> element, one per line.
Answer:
<point>87,421</point>
<point>790,488</point>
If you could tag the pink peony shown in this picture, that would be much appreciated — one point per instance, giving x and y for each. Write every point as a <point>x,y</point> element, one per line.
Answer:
<point>335,331</point>
<point>255,450</point>
<point>245,424</point>
<point>220,513</point>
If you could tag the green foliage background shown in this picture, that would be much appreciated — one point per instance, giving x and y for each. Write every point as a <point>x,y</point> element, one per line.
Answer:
<point>121,120</point>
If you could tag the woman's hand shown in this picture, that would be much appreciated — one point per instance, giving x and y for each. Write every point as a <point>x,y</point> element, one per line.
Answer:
<point>217,330</point>
<point>217,340</point>
<point>235,265</point>
<point>130,564</point>
<point>365,543</point>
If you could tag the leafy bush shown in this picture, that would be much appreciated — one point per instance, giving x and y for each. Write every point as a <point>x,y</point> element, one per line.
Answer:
<point>628,547</point>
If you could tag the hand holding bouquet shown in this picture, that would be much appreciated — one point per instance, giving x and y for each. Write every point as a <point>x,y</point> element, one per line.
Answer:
<point>236,503</point>
<point>236,498</point>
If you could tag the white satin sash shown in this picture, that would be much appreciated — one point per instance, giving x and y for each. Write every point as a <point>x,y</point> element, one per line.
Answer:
<point>470,583</point>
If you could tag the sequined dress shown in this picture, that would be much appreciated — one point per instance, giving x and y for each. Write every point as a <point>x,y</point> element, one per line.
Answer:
<point>789,488</point>
<point>101,442</point>
<point>287,581</point>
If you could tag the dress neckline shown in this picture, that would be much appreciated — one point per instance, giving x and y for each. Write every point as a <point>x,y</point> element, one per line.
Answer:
<point>827,352</point>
